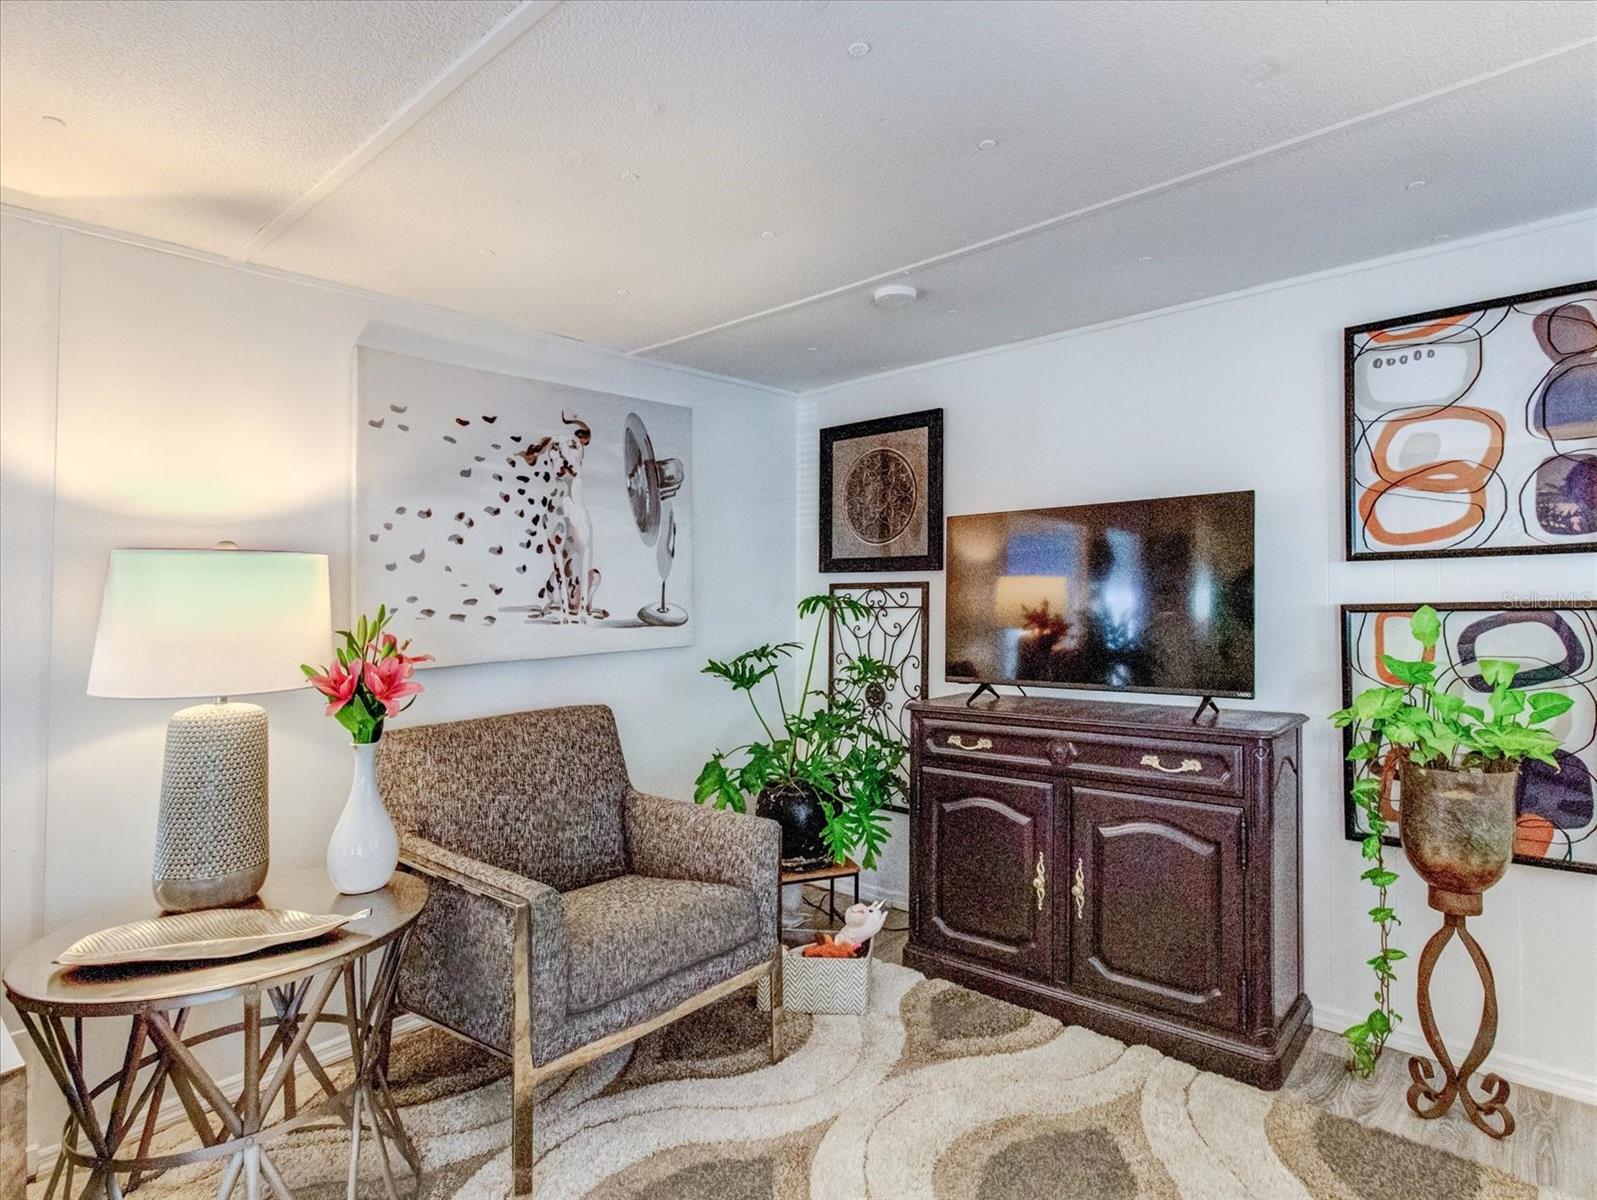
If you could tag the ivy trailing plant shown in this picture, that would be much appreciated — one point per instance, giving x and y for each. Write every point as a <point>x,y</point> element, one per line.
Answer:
<point>824,741</point>
<point>1423,723</point>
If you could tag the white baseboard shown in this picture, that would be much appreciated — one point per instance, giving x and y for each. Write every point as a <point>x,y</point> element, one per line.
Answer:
<point>332,1049</point>
<point>1512,1067</point>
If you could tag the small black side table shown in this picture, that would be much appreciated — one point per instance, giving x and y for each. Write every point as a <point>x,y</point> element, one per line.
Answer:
<point>831,874</point>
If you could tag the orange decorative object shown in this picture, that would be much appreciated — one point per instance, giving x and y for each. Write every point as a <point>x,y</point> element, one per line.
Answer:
<point>826,947</point>
<point>1417,333</point>
<point>1381,651</point>
<point>1532,836</point>
<point>1445,477</point>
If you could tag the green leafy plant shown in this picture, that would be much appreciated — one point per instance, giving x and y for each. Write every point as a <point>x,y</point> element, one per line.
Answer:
<point>822,741</point>
<point>1421,722</point>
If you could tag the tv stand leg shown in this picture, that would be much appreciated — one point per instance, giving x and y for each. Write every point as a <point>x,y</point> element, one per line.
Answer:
<point>970,700</point>
<point>1208,703</point>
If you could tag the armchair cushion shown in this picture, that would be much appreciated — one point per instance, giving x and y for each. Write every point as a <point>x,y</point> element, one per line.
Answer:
<point>673,839</point>
<point>627,933</point>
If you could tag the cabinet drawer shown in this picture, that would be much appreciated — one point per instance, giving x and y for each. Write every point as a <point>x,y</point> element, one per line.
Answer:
<point>988,743</point>
<point>1198,767</point>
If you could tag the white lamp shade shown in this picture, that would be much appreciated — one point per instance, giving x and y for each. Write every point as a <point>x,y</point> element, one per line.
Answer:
<point>224,622</point>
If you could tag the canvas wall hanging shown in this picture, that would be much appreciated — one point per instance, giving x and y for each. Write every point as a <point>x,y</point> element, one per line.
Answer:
<point>514,518</point>
<point>1473,430</point>
<point>882,494</point>
<point>896,631</point>
<point>1556,825</point>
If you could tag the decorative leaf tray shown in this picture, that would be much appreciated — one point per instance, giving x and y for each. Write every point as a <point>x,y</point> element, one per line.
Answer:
<point>208,933</point>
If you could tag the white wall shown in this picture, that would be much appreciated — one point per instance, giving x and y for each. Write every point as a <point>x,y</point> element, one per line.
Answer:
<point>28,312</point>
<point>152,398</point>
<point>1247,393</point>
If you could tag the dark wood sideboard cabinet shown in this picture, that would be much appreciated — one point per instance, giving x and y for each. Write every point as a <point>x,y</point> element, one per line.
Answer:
<point>1119,867</point>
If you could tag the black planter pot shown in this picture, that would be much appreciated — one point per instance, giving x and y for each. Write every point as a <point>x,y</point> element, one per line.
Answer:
<point>796,807</point>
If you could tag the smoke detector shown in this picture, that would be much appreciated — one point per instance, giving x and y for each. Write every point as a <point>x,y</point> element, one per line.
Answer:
<point>895,295</point>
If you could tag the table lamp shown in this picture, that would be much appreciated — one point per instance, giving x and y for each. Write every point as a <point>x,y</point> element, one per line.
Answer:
<point>222,623</point>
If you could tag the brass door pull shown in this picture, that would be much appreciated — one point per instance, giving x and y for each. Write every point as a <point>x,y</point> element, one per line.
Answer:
<point>1038,883</point>
<point>954,739</point>
<point>1078,890</point>
<point>1188,765</point>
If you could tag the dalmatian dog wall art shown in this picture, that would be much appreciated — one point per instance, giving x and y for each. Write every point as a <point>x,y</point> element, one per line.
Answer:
<point>493,512</point>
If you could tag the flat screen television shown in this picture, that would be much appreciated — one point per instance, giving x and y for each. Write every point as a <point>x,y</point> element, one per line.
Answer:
<point>1144,596</point>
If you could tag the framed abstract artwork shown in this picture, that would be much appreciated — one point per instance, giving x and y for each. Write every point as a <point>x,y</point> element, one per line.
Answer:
<point>504,518</point>
<point>1556,649</point>
<point>896,630</point>
<point>882,494</point>
<point>1473,430</point>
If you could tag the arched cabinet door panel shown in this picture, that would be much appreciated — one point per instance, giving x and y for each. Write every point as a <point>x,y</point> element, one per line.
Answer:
<point>985,889</point>
<point>1160,920</point>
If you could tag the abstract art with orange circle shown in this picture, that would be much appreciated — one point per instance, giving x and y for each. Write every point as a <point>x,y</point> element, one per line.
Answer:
<point>1473,430</point>
<point>1555,649</point>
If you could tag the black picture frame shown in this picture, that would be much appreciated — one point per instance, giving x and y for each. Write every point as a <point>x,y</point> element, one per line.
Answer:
<point>1350,816</point>
<point>1351,438</point>
<point>931,420</point>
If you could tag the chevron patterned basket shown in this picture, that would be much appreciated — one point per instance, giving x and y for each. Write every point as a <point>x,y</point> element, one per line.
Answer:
<point>835,986</point>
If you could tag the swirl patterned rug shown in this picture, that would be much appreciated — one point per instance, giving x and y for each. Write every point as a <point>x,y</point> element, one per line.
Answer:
<point>937,1092</point>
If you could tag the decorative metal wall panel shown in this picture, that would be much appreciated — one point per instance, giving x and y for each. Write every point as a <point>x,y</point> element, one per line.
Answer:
<point>898,633</point>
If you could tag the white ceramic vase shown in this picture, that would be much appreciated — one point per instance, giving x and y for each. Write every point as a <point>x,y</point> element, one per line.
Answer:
<point>365,849</point>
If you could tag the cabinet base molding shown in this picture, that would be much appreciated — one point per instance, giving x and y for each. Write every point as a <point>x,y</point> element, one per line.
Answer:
<point>1263,1065</point>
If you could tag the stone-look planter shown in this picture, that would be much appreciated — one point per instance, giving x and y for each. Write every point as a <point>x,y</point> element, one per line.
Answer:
<point>796,807</point>
<point>1458,832</point>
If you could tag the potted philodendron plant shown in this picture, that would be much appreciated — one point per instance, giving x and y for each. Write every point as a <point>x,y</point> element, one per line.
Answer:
<point>1458,765</point>
<point>821,771</point>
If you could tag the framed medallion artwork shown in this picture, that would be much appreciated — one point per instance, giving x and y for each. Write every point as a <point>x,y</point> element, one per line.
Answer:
<point>1555,649</point>
<point>881,494</point>
<point>1473,430</point>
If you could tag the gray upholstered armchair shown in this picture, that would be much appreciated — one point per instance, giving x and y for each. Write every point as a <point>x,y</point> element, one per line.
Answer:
<point>570,913</point>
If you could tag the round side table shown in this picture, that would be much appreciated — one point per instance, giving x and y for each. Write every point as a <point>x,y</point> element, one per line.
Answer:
<point>297,981</point>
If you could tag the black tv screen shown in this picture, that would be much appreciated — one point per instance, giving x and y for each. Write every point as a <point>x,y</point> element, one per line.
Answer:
<point>1145,596</point>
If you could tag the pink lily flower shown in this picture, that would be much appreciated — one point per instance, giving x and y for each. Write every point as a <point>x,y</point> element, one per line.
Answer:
<point>338,685</point>
<point>389,682</point>
<point>391,647</point>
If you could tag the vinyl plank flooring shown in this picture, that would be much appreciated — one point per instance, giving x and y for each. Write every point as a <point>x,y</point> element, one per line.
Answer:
<point>1554,1143</point>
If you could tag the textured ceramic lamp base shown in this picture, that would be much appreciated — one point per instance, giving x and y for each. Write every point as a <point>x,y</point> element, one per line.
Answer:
<point>211,838</point>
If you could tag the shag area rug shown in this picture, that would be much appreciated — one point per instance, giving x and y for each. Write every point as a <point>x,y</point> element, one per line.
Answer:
<point>937,1092</point>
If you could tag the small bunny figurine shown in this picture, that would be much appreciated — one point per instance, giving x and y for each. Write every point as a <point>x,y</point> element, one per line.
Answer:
<point>862,922</point>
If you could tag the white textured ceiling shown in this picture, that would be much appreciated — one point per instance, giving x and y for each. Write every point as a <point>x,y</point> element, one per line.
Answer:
<point>718,184</point>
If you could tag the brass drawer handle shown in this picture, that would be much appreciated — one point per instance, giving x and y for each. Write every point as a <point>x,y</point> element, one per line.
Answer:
<point>979,744</point>
<point>1078,890</point>
<point>1189,766</point>
<point>1038,884</point>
